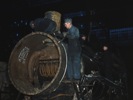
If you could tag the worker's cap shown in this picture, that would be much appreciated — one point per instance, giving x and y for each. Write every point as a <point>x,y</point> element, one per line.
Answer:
<point>68,20</point>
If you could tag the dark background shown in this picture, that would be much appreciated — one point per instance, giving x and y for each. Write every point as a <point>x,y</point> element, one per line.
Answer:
<point>113,14</point>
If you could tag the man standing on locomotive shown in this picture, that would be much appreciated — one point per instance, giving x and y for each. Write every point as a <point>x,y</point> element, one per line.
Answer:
<point>74,51</point>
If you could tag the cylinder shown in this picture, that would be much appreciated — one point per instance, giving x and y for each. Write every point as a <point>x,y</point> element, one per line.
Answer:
<point>37,64</point>
<point>55,16</point>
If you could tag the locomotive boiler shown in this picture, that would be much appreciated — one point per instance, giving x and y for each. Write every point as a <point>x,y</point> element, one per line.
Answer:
<point>38,62</point>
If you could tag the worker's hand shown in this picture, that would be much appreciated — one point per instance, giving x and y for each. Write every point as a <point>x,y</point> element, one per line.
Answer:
<point>83,37</point>
<point>64,34</point>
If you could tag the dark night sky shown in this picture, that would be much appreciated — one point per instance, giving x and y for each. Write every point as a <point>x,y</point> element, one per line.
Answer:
<point>110,11</point>
<point>34,7</point>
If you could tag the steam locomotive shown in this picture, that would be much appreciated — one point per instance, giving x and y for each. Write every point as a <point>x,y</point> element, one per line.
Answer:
<point>38,64</point>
